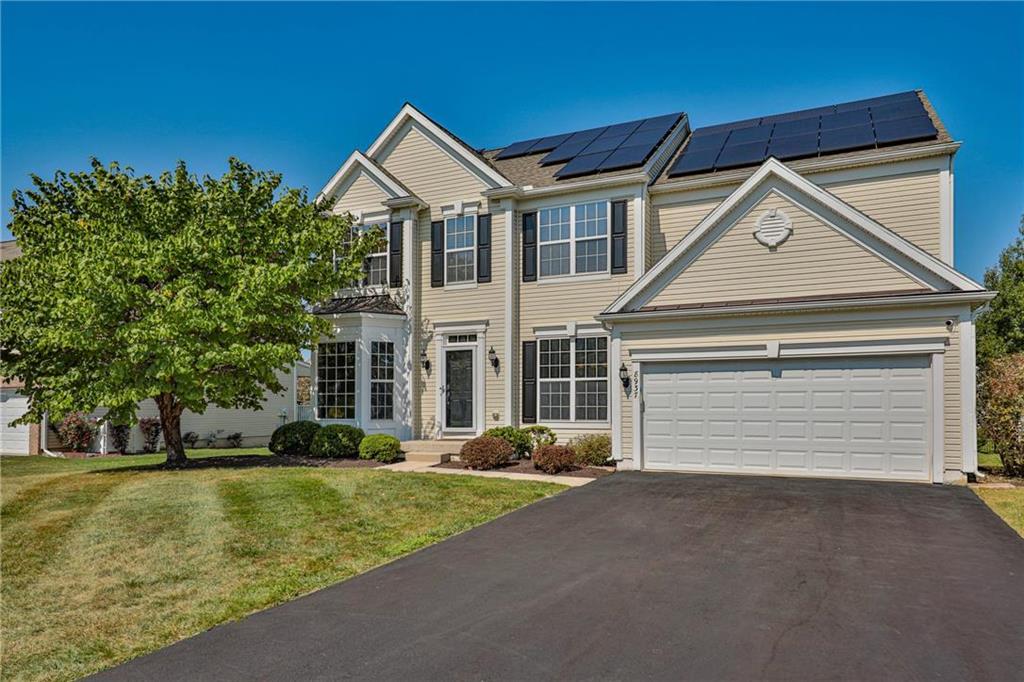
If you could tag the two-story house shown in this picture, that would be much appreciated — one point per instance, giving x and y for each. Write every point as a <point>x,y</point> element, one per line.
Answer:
<point>775,295</point>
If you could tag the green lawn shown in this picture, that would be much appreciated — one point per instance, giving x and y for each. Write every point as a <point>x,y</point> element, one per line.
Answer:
<point>988,459</point>
<point>103,560</point>
<point>1008,503</point>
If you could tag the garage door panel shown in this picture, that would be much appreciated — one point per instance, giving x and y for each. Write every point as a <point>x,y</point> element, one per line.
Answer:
<point>846,417</point>
<point>13,439</point>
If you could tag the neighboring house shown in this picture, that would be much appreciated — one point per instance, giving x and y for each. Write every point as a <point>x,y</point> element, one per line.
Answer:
<point>213,426</point>
<point>775,295</point>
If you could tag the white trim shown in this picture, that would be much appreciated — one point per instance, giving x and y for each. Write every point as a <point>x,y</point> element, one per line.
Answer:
<point>444,141</point>
<point>640,236</point>
<point>938,420</point>
<point>814,166</point>
<point>946,212</point>
<point>571,335</point>
<point>638,415</point>
<point>357,159</point>
<point>572,240</point>
<point>462,327</point>
<point>563,279</point>
<point>968,394</point>
<point>510,305</point>
<point>807,306</point>
<point>614,360</point>
<point>794,349</point>
<point>774,168</point>
<point>479,375</point>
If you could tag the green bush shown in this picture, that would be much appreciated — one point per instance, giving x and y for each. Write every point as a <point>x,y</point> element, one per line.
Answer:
<point>594,449</point>
<point>486,452</point>
<point>540,435</point>
<point>294,439</point>
<point>381,447</point>
<point>521,442</point>
<point>552,459</point>
<point>337,440</point>
<point>1001,410</point>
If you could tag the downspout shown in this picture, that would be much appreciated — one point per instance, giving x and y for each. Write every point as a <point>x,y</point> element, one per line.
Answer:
<point>43,430</point>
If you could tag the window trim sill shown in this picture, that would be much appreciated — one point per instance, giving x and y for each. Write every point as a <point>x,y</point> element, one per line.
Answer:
<point>462,286</point>
<point>563,279</point>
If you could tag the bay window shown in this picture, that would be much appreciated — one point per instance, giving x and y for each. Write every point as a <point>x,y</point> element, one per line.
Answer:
<point>336,380</point>
<point>573,239</point>
<point>382,380</point>
<point>573,379</point>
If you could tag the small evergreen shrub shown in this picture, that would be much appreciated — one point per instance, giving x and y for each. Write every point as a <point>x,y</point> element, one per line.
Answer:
<point>76,432</point>
<point>381,447</point>
<point>190,439</point>
<point>337,440</point>
<point>594,449</point>
<point>553,459</point>
<point>150,427</point>
<point>294,439</point>
<point>120,434</point>
<point>520,441</point>
<point>486,452</point>
<point>540,435</point>
<point>235,439</point>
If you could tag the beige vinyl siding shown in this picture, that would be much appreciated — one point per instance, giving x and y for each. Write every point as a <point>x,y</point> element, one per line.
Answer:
<point>430,173</point>
<point>362,194</point>
<point>816,259</point>
<point>908,204</point>
<point>676,336</point>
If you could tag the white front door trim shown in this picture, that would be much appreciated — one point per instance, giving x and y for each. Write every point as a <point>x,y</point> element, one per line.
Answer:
<point>442,331</point>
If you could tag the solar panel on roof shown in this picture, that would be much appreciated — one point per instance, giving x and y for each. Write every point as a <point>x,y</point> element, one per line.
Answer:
<point>517,149</point>
<point>663,123</point>
<point>796,115</point>
<point>847,119</point>
<point>707,142</point>
<point>605,144</point>
<point>624,157</point>
<point>904,130</point>
<point>546,144</point>
<point>877,101</point>
<point>847,139</point>
<point>587,135</point>
<point>794,146</point>
<point>751,134</point>
<point>893,110</point>
<point>564,152</point>
<point>581,165</point>
<point>800,126</point>
<point>697,161</point>
<point>621,129</point>
<point>733,156</point>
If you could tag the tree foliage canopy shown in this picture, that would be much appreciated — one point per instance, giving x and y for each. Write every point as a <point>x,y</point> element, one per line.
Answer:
<point>1000,328</point>
<point>191,291</point>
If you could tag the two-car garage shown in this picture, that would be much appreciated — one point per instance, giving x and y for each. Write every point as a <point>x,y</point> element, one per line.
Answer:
<point>845,417</point>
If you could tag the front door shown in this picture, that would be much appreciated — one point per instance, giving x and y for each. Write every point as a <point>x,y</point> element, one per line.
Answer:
<point>459,393</point>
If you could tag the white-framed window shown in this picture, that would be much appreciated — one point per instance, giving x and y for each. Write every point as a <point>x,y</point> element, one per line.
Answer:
<point>574,239</point>
<point>382,380</point>
<point>336,380</point>
<point>460,249</point>
<point>375,265</point>
<point>573,379</point>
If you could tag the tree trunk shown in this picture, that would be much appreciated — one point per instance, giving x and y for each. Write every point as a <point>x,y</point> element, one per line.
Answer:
<point>170,422</point>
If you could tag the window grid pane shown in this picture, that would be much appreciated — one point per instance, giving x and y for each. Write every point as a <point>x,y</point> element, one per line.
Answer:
<point>554,259</point>
<point>554,224</point>
<point>460,267</point>
<point>336,380</point>
<point>554,358</point>
<point>460,232</point>
<point>592,255</point>
<point>376,269</point>
<point>592,357</point>
<point>591,220</point>
<point>382,380</point>
<point>554,400</point>
<point>592,400</point>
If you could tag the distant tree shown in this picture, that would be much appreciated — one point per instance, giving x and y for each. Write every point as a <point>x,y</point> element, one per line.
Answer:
<point>190,292</point>
<point>1000,328</point>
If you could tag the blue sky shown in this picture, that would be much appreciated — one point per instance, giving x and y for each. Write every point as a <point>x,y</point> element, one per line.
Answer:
<point>296,87</point>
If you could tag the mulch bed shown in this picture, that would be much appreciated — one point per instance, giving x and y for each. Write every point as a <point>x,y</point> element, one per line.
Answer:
<point>525,466</point>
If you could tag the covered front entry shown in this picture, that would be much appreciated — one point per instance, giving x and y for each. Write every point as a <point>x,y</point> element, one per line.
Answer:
<point>855,417</point>
<point>458,389</point>
<point>460,381</point>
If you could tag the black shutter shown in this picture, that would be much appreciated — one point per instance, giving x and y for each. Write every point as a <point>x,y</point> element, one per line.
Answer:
<point>395,254</point>
<point>483,248</point>
<point>530,382</point>
<point>529,247</point>
<point>618,237</point>
<point>437,253</point>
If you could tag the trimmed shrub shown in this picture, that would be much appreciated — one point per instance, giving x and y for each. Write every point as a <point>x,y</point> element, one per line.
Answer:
<point>190,439</point>
<point>337,440</point>
<point>552,459</point>
<point>486,452</point>
<point>594,449</point>
<point>150,427</point>
<point>235,439</point>
<point>294,439</point>
<point>76,432</point>
<point>540,435</point>
<point>120,434</point>
<point>381,447</point>
<point>520,441</point>
<point>1001,410</point>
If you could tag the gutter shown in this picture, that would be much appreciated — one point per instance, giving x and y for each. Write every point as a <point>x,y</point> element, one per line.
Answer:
<point>528,191</point>
<point>930,299</point>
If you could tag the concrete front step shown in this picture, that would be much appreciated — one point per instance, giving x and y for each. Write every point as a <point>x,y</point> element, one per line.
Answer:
<point>431,451</point>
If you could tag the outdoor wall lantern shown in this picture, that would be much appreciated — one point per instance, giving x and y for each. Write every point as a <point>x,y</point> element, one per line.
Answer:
<point>624,375</point>
<point>493,358</point>
<point>424,360</point>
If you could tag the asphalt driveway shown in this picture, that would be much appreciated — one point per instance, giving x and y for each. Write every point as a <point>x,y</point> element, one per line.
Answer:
<point>662,576</point>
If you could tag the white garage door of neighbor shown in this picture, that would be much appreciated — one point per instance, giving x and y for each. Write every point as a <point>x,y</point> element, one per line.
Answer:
<point>840,418</point>
<point>13,439</point>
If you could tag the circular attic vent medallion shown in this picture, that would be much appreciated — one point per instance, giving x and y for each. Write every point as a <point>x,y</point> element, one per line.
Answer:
<point>773,228</point>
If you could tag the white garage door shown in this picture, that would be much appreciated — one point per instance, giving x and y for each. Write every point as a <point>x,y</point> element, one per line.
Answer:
<point>848,418</point>
<point>13,439</point>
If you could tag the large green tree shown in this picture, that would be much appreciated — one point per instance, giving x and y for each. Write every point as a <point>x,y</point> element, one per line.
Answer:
<point>1000,328</point>
<point>188,291</point>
